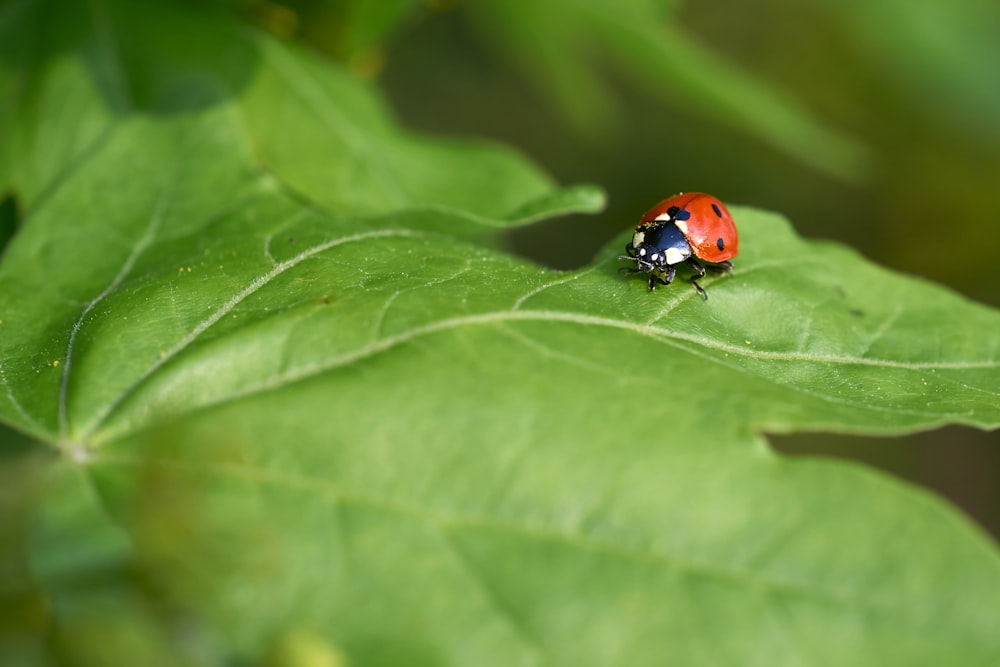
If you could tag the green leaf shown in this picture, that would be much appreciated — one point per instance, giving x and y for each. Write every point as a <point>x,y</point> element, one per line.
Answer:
<point>302,405</point>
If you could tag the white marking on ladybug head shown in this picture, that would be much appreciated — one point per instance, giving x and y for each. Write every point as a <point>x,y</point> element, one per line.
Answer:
<point>682,225</point>
<point>663,217</point>
<point>638,238</point>
<point>642,252</point>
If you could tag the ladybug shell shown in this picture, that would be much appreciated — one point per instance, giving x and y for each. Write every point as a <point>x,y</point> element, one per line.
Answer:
<point>708,226</point>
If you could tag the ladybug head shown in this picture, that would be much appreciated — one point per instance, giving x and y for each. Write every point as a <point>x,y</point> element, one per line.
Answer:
<point>645,256</point>
<point>658,245</point>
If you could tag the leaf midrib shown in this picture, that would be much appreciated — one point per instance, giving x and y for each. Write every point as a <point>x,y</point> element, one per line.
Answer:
<point>260,281</point>
<point>676,339</point>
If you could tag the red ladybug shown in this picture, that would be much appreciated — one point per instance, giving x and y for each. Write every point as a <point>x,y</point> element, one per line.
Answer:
<point>684,228</point>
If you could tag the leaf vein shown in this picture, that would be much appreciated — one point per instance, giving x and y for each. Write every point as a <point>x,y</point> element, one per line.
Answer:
<point>676,339</point>
<point>491,595</point>
<point>152,227</point>
<point>255,285</point>
<point>16,403</point>
<point>554,283</point>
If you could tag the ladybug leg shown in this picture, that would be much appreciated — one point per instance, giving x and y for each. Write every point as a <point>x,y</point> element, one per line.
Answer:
<point>667,277</point>
<point>700,270</point>
<point>726,266</point>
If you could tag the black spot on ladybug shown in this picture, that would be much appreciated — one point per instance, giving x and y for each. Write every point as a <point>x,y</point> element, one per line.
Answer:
<point>720,244</point>
<point>718,212</point>
<point>682,215</point>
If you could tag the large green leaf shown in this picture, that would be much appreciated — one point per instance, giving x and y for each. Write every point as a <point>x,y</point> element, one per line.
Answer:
<point>302,409</point>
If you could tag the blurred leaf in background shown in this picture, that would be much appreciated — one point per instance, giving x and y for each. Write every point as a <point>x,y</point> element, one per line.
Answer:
<point>568,49</point>
<point>565,45</point>
<point>941,56</point>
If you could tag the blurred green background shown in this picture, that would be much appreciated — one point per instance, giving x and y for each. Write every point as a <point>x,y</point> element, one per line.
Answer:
<point>873,123</point>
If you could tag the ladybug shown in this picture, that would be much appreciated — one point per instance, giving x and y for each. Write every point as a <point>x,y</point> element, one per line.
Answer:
<point>683,229</point>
